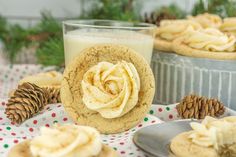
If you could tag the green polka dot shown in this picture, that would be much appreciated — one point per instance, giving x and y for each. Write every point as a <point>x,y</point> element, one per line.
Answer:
<point>133,130</point>
<point>151,111</point>
<point>146,119</point>
<point>114,148</point>
<point>104,140</point>
<point>5,145</point>
<point>131,153</point>
<point>55,121</point>
<point>8,128</point>
<point>11,66</point>
<point>167,108</point>
<point>6,76</point>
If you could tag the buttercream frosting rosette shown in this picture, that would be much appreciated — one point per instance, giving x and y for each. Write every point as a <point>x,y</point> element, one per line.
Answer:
<point>169,30</point>
<point>64,141</point>
<point>207,20</point>
<point>211,138</point>
<point>206,43</point>
<point>229,26</point>
<point>109,87</point>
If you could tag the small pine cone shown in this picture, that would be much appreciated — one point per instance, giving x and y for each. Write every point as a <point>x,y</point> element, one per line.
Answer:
<point>53,95</point>
<point>227,150</point>
<point>197,107</point>
<point>27,100</point>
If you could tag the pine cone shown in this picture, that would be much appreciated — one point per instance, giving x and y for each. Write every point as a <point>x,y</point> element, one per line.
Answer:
<point>156,18</point>
<point>25,102</point>
<point>197,107</point>
<point>53,95</point>
<point>227,150</point>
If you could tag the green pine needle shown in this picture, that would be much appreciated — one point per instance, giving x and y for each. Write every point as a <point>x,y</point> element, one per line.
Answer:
<point>51,52</point>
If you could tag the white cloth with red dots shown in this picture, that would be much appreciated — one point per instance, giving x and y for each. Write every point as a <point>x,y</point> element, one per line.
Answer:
<point>11,134</point>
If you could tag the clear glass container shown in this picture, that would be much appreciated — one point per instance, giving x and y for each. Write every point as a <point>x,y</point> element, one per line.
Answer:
<point>81,34</point>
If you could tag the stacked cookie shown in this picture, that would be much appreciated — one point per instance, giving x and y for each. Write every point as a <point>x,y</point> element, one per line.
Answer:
<point>203,36</point>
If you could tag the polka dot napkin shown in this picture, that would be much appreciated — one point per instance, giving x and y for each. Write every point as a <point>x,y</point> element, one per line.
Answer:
<point>11,134</point>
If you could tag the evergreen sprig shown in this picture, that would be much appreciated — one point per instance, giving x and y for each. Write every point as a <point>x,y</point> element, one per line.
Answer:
<point>51,52</point>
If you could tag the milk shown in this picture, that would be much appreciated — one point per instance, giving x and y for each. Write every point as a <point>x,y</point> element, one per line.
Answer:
<point>78,40</point>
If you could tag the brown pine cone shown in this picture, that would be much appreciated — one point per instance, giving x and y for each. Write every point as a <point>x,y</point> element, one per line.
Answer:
<point>27,100</point>
<point>53,95</point>
<point>193,106</point>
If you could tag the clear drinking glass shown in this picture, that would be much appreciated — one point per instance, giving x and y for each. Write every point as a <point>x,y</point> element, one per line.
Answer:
<point>81,34</point>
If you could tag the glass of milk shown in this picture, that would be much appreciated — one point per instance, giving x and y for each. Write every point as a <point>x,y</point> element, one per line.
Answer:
<point>81,34</point>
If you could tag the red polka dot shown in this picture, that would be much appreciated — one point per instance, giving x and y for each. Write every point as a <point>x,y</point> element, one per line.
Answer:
<point>0,129</point>
<point>15,141</point>
<point>3,103</point>
<point>170,116</point>
<point>1,139</point>
<point>122,152</point>
<point>47,108</point>
<point>31,129</point>
<point>35,121</point>
<point>53,114</point>
<point>160,109</point>
<point>1,118</point>
<point>47,125</point>
<point>24,137</point>
<point>127,133</point>
<point>13,134</point>
<point>112,139</point>
<point>153,121</point>
<point>65,119</point>
<point>121,143</point>
<point>12,123</point>
<point>59,106</point>
<point>140,125</point>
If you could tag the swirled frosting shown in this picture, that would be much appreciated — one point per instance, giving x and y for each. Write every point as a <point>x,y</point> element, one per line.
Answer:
<point>66,141</point>
<point>111,89</point>
<point>213,132</point>
<point>210,39</point>
<point>229,26</point>
<point>172,29</point>
<point>207,20</point>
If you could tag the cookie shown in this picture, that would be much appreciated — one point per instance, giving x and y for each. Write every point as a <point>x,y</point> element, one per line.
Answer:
<point>207,20</point>
<point>23,150</point>
<point>162,45</point>
<point>169,30</point>
<point>46,79</point>
<point>181,46</point>
<point>181,146</point>
<point>72,93</point>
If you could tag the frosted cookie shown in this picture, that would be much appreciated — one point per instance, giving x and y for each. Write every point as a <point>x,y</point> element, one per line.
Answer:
<point>206,43</point>
<point>46,79</point>
<point>64,141</point>
<point>207,20</point>
<point>169,30</point>
<point>211,138</point>
<point>229,26</point>
<point>109,87</point>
